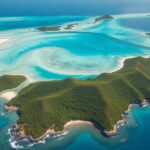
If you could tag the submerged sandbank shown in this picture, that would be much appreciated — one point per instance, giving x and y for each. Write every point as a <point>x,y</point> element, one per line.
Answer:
<point>3,40</point>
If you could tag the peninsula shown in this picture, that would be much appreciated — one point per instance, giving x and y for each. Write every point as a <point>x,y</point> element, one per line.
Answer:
<point>101,100</point>
<point>10,81</point>
<point>148,33</point>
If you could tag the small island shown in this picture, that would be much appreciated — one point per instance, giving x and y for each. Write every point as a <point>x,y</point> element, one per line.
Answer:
<point>49,28</point>
<point>100,18</point>
<point>71,25</point>
<point>148,33</point>
<point>10,81</point>
<point>47,106</point>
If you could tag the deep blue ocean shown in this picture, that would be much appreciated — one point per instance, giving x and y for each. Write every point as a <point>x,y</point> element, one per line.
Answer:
<point>86,51</point>
<point>71,7</point>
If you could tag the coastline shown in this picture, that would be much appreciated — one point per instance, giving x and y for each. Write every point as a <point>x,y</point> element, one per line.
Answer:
<point>10,93</point>
<point>72,123</point>
<point>122,61</point>
<point>17,136</point>
<point>3,40</point>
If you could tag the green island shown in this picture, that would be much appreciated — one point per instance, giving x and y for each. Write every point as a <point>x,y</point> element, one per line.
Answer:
<point>101,100</point>
<point>71,25</point>
<point>100,18</point>
<point>148,33</point>
<point>49,28</point>
<point>10,81</point>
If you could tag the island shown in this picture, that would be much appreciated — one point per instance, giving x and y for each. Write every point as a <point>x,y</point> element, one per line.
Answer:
<point>49,28</point>
<point>10,81</point>
<point>148,33</point>
<point>71,25</point>
<point>100,18</point>
<point>57,28</point>
<point>48,106</point>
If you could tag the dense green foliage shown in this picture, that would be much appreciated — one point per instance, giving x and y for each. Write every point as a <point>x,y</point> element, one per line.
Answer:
<point>49,28</point>
<point>10,81</point>
<point>100,18</point>
<point>102,100</point>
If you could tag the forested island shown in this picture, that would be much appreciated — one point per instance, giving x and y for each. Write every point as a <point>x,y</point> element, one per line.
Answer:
<point>71,25</point>
<point>101,100</point>
<point>10,81</point>
<point>148,33</point>
<point>49,28</point>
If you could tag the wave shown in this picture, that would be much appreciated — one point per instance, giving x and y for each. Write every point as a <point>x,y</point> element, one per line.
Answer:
<point>14,145</point>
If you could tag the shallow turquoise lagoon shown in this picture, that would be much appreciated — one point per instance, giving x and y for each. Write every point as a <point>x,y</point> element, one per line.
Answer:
<point>88,49</point>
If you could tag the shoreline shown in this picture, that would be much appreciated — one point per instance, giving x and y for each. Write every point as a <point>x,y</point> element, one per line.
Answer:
<point>10,93</point>
<point>10,108</point>
<point>122,60</point>
<point>73,123</point>
<point>3,40</point>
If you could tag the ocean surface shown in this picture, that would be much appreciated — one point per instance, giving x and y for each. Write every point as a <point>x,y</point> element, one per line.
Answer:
<point>71,7</point>
<point>88,49</point>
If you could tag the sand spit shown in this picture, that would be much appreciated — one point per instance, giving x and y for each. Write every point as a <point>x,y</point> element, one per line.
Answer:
<point>8,95</point>
<point>3,40</point>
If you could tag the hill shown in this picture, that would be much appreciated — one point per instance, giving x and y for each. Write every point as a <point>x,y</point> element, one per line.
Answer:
<point>101,100</point>
<point>10,81</point>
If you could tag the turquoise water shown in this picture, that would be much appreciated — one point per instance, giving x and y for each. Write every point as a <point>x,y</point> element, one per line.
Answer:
<point>71,7</point>
<point>83,52</point>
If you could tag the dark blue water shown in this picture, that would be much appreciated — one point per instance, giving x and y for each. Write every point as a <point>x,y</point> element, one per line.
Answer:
<point>137,23</point>
<point>36,21</point>
<point>71,7</point>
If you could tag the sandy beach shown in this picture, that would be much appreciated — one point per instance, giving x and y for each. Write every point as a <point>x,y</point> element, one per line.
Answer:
<point>72,123</point>
<point>3,40</point>
<point>122,60</point>
<point>8,95</point>
<point>68,125</point>
<point>114,131</point>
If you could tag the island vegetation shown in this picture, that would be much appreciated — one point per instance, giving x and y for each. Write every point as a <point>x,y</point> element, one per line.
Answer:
<point>101,100</point>
<point>100,18</point>
<point>49,28</point>
<point>70,26</point>
<point>10,81</point>
<point>148,33</point>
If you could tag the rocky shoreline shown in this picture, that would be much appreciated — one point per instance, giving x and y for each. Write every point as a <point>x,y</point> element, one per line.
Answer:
<point>10,108</point>
<point>20,135</point>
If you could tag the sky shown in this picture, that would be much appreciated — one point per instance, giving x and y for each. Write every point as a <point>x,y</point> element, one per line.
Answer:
<point>71,7</point>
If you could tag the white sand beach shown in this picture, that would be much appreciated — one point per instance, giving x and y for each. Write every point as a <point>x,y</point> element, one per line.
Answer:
<point>72,123</point>
<point>3,40</point>
<point>122,61</point>
<point>8,95</point>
